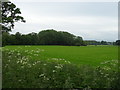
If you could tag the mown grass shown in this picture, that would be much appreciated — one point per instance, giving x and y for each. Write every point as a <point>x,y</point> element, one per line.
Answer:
<point>90,55</point>
<point>52,67</point>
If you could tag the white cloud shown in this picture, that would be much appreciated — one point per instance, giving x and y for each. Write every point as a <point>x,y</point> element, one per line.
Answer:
<point>95,28</point>
<point>81,20</point>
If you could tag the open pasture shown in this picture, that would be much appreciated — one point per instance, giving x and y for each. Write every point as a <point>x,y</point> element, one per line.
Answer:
<point>90,55</point>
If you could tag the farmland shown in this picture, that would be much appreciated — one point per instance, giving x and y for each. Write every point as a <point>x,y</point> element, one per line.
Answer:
<point>60,67</point>
<point>91,55</point>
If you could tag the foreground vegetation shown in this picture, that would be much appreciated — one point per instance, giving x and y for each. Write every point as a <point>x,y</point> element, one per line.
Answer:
<point>22,71</point>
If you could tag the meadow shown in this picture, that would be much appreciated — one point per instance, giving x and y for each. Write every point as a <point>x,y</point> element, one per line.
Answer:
<point>90,55</point>
<point>60,66</point>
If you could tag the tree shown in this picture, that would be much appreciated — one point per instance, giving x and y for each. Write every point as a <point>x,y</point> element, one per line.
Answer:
<point>117,42</point>
<point>48,37</point>
<point>10,15</point>
<point>67,38</point>
<point>104,43</point>
<point>5,37</point>
<point>52,37</point>
<point>79,41</point>
<point>18,38</point>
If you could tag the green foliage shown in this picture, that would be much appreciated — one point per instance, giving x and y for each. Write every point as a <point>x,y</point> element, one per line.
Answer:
<point>5,39</point>
<point>20,71</point>
<point>10,15</point>
<point>117,42</point>
<point>45,37</point>
<point>103,42</point>
<point>93,42</point>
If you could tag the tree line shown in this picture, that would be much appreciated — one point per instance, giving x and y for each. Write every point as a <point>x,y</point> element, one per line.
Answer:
<point>50,37</point>
<point>44,37</point>
<point>94,42</point>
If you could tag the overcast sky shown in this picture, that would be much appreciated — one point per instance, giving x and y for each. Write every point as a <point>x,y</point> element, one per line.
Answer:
<point>90,20</point>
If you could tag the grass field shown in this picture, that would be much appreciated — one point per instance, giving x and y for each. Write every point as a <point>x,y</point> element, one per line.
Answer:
<point>92,55</point>
<point>60,67</point>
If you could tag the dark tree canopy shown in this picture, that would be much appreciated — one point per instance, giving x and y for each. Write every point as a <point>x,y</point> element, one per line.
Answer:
<point>103,42</point>
<point>10,15</point>
<point>45,37</point>
<point>117,42</point>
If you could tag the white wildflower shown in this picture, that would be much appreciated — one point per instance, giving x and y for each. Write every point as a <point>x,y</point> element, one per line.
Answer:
<point>54,71</point>
<point>44,64</point>
<point>41,75</point>
<point>20,80</point>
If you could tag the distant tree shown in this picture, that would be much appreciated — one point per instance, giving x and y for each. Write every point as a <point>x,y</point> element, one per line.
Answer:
<point>92,42</point>
<point>67,38</point>
<point>5,37</point>
<point>10,15</point>
<point>52,37</point>
<point>12,39</point>
<point>104,43</point>
<point>79,41</point>
<point>18,38</point>
<point>117,42</point>
<point>48,37</point>
<point>32,38</point>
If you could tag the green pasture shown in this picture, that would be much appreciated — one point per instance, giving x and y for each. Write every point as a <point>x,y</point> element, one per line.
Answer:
<point>90,55</point>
